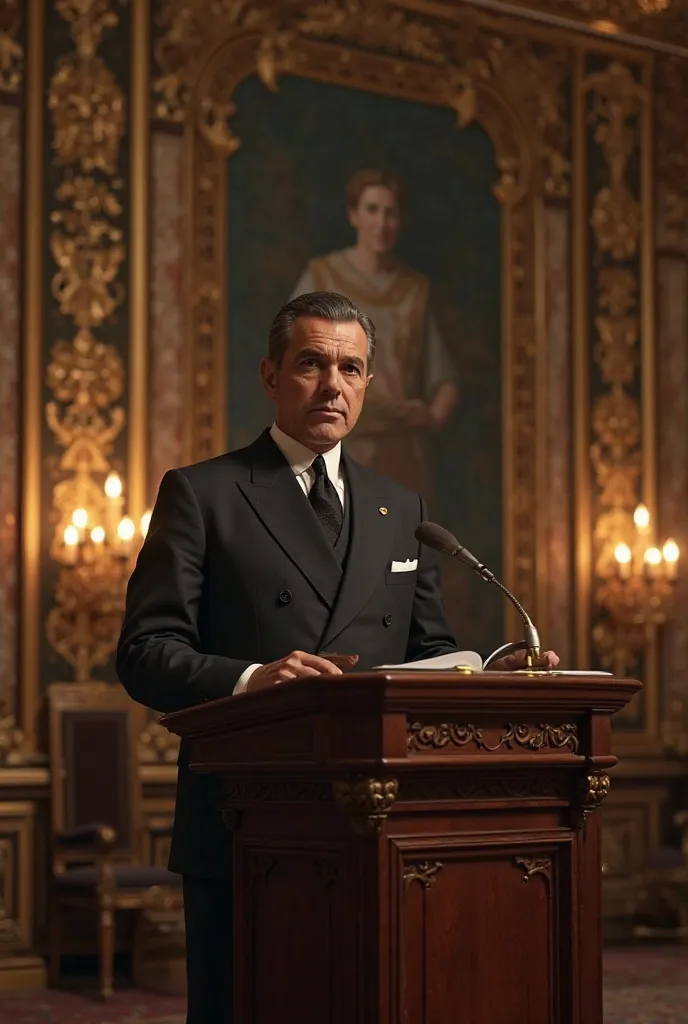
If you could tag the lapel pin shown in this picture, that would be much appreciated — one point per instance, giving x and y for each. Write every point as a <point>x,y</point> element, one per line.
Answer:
<point>382,510</point>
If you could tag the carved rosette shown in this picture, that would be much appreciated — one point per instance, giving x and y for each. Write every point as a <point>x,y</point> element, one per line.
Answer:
<point>616,101</point>
<point>367,801</point>
<point>85,375</point>
<point>593,789</point>
<point>157,745</point>
<point>516,90</point>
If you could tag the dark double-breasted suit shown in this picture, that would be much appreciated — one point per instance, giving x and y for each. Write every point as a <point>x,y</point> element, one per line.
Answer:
<point>236,569</point>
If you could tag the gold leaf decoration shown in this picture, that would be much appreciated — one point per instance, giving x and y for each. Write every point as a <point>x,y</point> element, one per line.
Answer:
<point>85,374</point>
<point>616,102</point>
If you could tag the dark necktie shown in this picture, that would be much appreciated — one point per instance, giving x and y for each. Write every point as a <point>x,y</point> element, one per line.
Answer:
<point>325,501</point>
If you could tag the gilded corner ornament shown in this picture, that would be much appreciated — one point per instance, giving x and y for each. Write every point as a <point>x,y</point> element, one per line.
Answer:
<point>424,872</point>
<point>367,801</point>
<point>593,789</point>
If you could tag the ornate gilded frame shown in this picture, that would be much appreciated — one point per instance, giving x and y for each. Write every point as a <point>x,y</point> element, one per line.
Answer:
<point>506,86</point>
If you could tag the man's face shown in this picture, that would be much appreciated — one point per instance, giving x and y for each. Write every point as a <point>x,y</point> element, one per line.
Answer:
<point>376,219</point>
<point>318,388</point>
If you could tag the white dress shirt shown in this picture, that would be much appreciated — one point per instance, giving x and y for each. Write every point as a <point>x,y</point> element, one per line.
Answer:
<point>301,460</point>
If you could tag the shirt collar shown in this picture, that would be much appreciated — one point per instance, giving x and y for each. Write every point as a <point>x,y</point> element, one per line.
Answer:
<point>301,458</point>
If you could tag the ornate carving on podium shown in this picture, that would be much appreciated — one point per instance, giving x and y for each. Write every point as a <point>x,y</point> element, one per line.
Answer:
<point>263,864</point>
<point>530,737</point>
<point>367,801</point>
<point>535,866</point>
<point>594,788</point>
<point>424,872</point>
<point>485,786</point>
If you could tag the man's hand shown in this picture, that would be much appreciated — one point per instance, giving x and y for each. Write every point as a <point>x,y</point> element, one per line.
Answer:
<point>518,660</point>
<point>295,666</point>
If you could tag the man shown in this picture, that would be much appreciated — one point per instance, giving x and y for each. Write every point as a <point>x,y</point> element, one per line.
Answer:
<point>414,390</point>
<point>258,562</point>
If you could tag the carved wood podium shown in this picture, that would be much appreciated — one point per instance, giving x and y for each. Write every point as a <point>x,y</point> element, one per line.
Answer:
<point>415,848</point>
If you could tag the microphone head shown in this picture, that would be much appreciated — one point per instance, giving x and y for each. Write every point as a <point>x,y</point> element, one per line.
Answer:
<point>437,537</point>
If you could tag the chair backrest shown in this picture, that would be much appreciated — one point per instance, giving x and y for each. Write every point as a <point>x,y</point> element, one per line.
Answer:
<point>94,732</point>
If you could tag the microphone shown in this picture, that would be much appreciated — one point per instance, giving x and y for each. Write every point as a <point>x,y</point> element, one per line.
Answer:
<point>436,537</point>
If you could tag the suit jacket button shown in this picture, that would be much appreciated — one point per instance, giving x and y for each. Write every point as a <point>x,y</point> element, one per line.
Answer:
<point>387,619</point>
<point>285,596</point>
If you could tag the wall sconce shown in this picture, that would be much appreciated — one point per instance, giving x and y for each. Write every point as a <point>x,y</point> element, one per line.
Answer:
<point>97,552</point>
<point>638,593</point>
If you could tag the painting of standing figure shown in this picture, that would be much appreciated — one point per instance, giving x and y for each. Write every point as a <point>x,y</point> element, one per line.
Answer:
<point>413,391</point>
<point>386,200</point>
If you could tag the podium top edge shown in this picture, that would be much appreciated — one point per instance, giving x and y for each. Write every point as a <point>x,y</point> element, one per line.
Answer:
<point>414,692</point>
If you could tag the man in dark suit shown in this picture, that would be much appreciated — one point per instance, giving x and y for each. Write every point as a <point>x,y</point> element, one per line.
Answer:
<point>259,562</point>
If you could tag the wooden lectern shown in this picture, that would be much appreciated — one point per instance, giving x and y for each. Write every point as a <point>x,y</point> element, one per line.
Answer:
<point>415,848</point>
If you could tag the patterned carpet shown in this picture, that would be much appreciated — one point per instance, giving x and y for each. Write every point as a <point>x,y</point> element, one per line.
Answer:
<point>646,985</point>
<point>643,985</point>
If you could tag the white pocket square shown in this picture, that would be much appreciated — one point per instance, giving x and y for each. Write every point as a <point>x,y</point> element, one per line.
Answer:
<point>408,566</point>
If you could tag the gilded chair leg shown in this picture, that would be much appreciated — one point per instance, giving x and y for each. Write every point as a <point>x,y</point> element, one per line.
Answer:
<point>106,950</point>
<point>54,944</point>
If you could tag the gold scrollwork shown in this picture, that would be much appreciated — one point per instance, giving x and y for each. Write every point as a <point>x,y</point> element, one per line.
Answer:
<point>424,872</point>
<point>11,50</point>
<point>616,101</point>
<point>593,789</point>
<point>514,88</point>
<point>530,737</point>
<point>85,374</point>
<point>366,800</point>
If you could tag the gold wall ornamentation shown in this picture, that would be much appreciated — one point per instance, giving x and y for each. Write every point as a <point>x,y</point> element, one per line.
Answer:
<point>616,100</point>
<point>15,749</point>
<point>514,89</point>
<point>157,745</point>
<point>656,19</point>
<point>85,375</point>
<point>11,50</point>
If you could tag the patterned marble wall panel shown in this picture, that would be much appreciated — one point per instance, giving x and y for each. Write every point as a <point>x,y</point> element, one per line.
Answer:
<point>10,216</point>
<point>166,333</point>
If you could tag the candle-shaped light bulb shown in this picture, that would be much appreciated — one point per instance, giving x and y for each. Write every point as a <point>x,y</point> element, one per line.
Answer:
<point>97,534</point>
<point>113,486</point>
<point>80,518</point>
<point>145,523</point>
<point>71,544</point>
<point>653,561</point>
<point>670,553</point>
<point>622,555</point>
<point>641,518</point>
<point>125,533</point>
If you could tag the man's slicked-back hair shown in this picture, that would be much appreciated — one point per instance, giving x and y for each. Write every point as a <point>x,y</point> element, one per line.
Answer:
<point>324,306</point>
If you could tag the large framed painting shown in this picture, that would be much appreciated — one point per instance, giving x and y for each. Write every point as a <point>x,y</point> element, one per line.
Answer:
<point>415,195</point>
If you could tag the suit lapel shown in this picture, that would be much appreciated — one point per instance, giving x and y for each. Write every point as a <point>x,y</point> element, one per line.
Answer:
<point>284,510</point>
<point>369,547</point>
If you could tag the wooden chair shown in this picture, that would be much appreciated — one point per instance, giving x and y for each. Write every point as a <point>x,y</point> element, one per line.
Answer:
<point>96,816</point>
